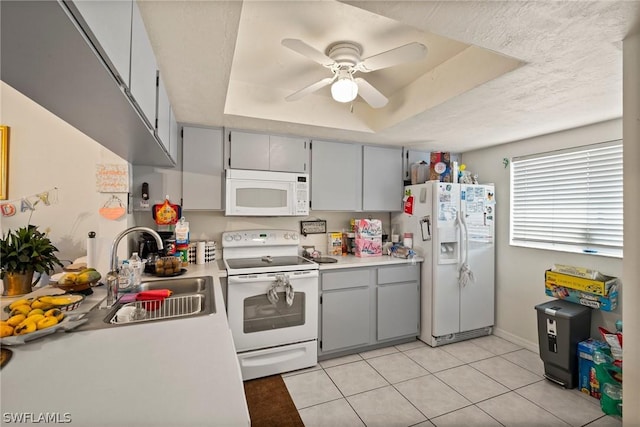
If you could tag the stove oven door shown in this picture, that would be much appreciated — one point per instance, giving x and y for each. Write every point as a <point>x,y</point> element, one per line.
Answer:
<point>257,323</point>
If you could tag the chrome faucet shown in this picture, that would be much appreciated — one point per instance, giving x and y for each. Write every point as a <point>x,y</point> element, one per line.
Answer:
<point>112,276</point>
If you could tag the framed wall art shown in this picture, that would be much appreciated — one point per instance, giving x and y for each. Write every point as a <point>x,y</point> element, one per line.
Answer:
<point>4,162</point>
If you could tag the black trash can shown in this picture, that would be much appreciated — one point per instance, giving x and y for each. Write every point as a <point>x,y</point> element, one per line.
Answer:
<point>561,326</point>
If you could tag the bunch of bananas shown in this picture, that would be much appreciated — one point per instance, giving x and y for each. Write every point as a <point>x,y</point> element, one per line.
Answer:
<point>29,315</point>
<point>88,275</point>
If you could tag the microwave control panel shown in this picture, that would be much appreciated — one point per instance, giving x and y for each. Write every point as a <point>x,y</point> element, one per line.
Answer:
<point>302,195</point>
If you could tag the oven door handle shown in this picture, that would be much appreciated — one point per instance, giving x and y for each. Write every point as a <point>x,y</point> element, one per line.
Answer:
<point>253,278</point>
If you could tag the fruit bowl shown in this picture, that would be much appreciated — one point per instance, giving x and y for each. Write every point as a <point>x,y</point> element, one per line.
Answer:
<point>63,302</point>
<point>76,282</point>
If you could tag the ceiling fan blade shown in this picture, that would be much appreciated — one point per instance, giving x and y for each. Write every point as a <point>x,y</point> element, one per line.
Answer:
<point>407,53</point>
<point>370,94</point>
<point>310,52</point>
<point>310,89</point>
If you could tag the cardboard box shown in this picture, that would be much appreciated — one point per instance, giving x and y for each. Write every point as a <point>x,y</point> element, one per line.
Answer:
<point>605,303</point>
<point>598,287</point>
<point>368,228</point>
<point>440,166</point>
<point>368,246</point>
<point>334,244</point>
<point>587,380</point>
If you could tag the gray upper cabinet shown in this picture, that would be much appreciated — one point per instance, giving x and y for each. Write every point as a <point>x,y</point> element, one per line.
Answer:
<point>248,150</point>
<point>258,151</point>
<point>109,25</point>
<point>163,116</point>
<point>174,136</point>
<point>336,176</point>
<point>202,168</point>
<point>143,86</point>
<point>51,55</point>
<point>382,183</point>
<point>288,154</point>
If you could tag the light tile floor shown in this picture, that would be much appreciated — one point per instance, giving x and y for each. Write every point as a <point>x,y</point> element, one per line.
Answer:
<point>487,381</point>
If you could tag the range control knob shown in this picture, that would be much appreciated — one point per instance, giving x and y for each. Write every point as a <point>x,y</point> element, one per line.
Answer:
<point>286,236</point>
<point>237,237</point>
<point>228,238</point>
<point>294,236</point>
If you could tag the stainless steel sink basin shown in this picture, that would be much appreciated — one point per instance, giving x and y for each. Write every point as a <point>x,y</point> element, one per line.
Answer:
<point>179,286</point>
<point>192,296</point>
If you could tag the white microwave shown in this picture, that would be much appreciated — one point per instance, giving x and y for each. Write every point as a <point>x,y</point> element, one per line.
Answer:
<point>265,193</point>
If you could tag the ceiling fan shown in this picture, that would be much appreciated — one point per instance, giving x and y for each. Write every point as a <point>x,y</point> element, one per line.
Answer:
<point>343,59</point>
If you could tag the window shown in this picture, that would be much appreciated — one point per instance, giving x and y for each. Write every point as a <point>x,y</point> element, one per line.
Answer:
<point>569,200</point>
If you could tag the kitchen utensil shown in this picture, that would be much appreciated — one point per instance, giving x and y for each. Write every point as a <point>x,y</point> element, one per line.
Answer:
<point>324,260</point>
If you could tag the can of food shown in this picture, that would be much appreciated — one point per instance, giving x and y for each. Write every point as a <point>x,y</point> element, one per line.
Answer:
<point>170,246</point>
<point>184,256</point>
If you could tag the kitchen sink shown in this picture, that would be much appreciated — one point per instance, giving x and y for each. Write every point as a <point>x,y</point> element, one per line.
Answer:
<point>179,286</point>
<point>192,296</point>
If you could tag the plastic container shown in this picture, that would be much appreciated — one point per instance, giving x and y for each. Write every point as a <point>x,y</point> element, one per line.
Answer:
<point>125,278</point>
<point>135,263</point>
<point>610,378</point>
<point>407,240</point>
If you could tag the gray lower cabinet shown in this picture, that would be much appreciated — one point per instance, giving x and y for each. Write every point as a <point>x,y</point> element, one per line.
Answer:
<point>345,319</point>
<point>397,310</point>
<point>398,301</point>
<point>364,306</point>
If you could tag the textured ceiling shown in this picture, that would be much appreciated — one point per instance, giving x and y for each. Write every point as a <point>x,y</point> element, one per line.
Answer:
<point>224,66</point>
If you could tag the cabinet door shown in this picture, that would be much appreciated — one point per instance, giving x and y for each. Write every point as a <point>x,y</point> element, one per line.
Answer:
<point>143,86</point>
<point>398,310</point>
<point>382,183</point>
<point>410,157</point>
<point>288,154</point>
<point>174,136</point>
<point>345,319</point>
<point>249,151</point>
<point>202,169</point>
<point>163,114</point>
<point>336,176</point>
<point>110,24</point>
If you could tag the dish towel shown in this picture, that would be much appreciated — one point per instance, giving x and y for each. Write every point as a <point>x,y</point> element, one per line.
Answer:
<point>281,281</point>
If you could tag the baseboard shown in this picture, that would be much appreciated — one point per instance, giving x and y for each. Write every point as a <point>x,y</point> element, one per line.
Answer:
<point>516,340</point>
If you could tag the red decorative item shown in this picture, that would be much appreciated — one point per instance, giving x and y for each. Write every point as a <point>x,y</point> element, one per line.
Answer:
<point>166,213</point>
<point>408,205</point>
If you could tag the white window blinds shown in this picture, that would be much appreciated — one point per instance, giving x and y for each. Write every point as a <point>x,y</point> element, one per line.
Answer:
<point>569,200</point>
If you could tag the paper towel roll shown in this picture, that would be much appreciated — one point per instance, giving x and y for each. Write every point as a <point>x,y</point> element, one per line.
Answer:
<point>91,250</point>
<point>200,252</point>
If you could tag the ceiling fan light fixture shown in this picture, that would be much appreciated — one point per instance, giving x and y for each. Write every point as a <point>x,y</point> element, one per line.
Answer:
<point>344,89</point>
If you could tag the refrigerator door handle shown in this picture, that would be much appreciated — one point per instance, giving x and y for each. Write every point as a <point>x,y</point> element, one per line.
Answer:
<point>465,275</point>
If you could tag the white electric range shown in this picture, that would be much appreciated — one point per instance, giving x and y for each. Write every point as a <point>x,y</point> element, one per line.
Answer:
<point>272,301</point>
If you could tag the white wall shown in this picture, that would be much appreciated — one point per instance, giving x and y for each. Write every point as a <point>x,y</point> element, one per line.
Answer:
<point>46,152</point>
<point>631,318</point>
<point>210,225</point>
<point>520,271</point>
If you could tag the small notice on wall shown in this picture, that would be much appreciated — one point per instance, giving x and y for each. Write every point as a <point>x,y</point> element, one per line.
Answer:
<point>112,178</point>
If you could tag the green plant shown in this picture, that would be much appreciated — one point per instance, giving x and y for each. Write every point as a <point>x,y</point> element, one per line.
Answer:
<point>27,249</point>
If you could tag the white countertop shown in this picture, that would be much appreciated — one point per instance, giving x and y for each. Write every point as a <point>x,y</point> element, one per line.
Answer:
<point>350,261</point>
<point>175,373</point>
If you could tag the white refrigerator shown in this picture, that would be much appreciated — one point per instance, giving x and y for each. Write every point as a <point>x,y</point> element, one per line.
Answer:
<point>453,230</point>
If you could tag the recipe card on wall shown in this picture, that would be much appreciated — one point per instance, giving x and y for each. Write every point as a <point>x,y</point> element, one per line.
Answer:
<point>112,178</point>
